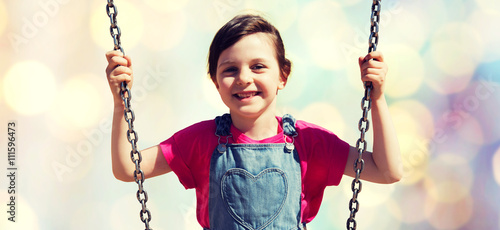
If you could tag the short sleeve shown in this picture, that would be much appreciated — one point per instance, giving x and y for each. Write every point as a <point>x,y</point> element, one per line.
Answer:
<point>188,153</point>
<point>338,160</point>
<point>323,154</point>
<point>176,162</point>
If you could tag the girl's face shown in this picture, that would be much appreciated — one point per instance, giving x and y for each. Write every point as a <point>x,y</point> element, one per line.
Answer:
<point>248,76</point>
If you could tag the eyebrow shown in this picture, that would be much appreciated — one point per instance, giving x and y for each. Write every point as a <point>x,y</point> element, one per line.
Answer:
<point>225,63</point>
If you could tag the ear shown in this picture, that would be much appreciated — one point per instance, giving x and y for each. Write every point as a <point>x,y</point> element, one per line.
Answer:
<point>215,82</point>
<point>283,81</point>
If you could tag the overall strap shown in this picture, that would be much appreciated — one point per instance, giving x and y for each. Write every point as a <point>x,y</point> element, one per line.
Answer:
<point>288,122</point>
<point>223,124</point>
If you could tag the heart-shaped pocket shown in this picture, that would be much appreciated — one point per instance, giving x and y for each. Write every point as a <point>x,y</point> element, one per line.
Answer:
<point>254,201</point>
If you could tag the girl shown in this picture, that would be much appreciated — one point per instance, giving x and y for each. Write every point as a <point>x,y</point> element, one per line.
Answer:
<point>250,168</point>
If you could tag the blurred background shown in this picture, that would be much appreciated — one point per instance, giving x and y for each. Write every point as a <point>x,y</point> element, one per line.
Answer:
<point>443,90</point>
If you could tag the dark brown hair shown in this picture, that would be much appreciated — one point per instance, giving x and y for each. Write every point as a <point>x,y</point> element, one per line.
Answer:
<point>237,28</point>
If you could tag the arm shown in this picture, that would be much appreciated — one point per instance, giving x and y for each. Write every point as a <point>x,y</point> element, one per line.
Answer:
<point>384,164</point>
<point>153,163</point>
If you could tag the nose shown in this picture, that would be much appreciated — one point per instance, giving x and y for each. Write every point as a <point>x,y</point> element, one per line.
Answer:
<point>244,77</point>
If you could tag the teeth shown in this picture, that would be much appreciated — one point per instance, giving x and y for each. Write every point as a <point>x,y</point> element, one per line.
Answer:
<point>246,95</point>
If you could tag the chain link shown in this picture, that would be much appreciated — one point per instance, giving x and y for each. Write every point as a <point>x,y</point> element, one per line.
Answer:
<point>132,137</point>
<point>364,123</point>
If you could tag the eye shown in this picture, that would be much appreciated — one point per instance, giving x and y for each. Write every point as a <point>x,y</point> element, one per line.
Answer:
<point>258,67</point>
<point>230,70</point>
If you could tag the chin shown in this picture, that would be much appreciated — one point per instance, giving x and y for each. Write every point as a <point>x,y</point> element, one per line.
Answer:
<point>246,112</point>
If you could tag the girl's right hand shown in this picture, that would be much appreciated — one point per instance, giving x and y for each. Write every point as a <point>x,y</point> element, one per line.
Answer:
<point>119,69</point>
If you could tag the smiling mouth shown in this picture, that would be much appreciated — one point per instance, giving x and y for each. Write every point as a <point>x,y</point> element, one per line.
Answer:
<point>246,95</point>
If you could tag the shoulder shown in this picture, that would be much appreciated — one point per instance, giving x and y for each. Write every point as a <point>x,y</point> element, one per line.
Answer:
<point>200,127</point>
<point>312,136</point>
<point>192,141</point>
<point>193,135</point>
<point>312,129</point>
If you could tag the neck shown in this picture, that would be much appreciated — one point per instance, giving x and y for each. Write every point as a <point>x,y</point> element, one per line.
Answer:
<point>257,128</point>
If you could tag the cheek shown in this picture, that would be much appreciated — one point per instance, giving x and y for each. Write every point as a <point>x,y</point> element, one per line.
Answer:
<point>223,84</point>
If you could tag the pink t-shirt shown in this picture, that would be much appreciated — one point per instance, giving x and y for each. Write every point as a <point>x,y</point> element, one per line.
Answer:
<point>322,154</point>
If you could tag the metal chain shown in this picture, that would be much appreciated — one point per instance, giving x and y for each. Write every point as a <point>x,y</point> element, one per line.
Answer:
<point>135,154</point>
<point>364,123</point>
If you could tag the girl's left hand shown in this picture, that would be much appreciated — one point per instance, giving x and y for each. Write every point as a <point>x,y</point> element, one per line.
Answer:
<point>374,69</point>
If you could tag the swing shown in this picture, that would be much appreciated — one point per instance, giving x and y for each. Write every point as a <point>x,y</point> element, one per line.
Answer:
<point>364,123</point>
<point>136,157</point>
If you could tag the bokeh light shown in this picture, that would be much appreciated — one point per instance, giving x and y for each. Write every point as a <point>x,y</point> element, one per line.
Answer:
<point>472,111</point>
<point>29,87</point>
<point>78,103</point>
<point>325,30</point>
<point>414,126</point>
<point>409,204</point>
<point>414,157</point>
<point>406,70</point>
<point>483,21</point>
<point>449,215</point>
<point>449,178</point>
<point>411,116</point>
<point>466,46</point>
<point>454,43</point>
<point>440,11</point>
<point>397,21</point>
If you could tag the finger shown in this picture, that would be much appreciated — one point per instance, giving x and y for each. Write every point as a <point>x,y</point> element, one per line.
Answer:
<point>122,70</point>
<point>376,55</point>
<point>117,79</point>
<point>120,74</point>
<point>361,60</point>
<point>373,64</point>
<point>113,53</point>
<point>129,61</point>
<point>115,62</point>
<point>114,59</point>
<point>373,75</point>
<point>374,71</point>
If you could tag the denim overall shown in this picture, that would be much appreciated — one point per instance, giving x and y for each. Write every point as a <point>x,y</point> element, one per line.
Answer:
<point>254,186</point>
